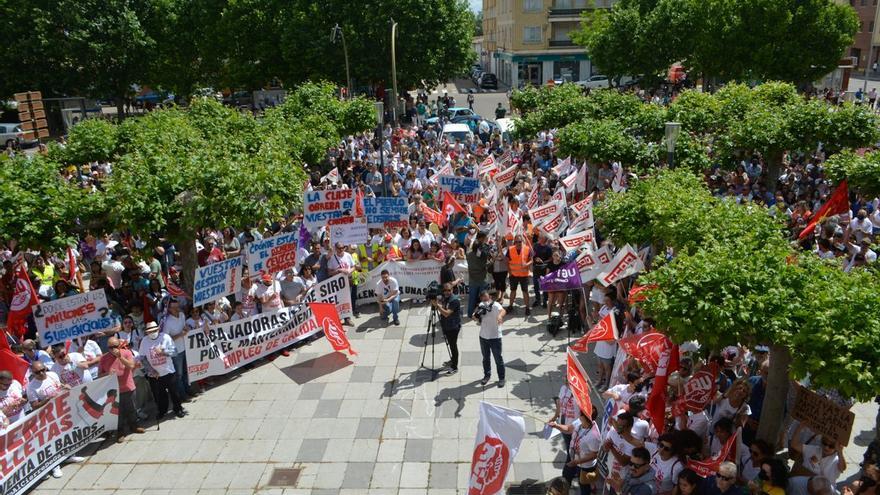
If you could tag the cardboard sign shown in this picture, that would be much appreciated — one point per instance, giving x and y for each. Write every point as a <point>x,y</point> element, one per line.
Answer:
<point>822,415</point>
<point>465,189</point>
<point>350,233</point>
<point>272,254</point>
<point>74,316</point>
<point>386,212</point>
<point>216,280</point>
<point>322,208</point>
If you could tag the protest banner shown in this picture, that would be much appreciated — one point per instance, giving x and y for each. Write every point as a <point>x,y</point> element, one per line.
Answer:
<point>592,264</point>
<point>413,277</point>
<point>576,241</point>
<point>545,213</point>
<point>505,177</point>
<point>73,316</point>
<point>350,233</point>
<point>647,348</point>
<point>272,254</point>
<point>386,212</point>
<point>584,220</point>
<point>553,227</point>
<point>582,205</point>
<point>823,415</point>
<point>322,208</point>
<point>466,190</point>
<point>500,433</point>
<point>225,347</point>
<point>335,290</point>
<point>217,280</point>
<point>624,264</point>
<point>43,439</point>
<point>566,277</point>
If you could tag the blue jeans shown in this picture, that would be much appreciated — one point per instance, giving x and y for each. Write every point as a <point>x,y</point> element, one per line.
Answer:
<point>474,297</point>
<point>492,346</point>
<point>392,307</point>
<point>181,379</point>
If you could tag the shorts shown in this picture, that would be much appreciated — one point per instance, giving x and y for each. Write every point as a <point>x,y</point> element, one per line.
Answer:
<point>521,281</point>
<point>500,279</point>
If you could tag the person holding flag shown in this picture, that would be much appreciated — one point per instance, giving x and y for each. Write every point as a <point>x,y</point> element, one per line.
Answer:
<point>583,451</point>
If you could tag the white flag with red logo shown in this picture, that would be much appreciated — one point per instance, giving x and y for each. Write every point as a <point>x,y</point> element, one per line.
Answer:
<point>582,178</point>
<point>583,221</point>
<point>499,435</point>
<point>605,330</point>
<point>583,204</point>
<point>624,264</point>
<point>487,165</point>
<point>562,166</point>
<point>570,182</point>
<point>332,176</point>
<point>577,382</point>
<point>504,178</point>
<point>327,317</point>
<point>534,195</point>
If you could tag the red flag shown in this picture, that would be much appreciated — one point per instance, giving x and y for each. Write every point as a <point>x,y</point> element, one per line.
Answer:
<point>24,297</point>
<point>577,381</point>
<point>710,466</point>
<point>637,293</point>
<point>451,205</point>
<point>432,216</point>
<point>699,390</point>
<point>71,266</point>
<point>605,330</point>
<point>173,289</point>
<point>836,204</point>
<point>11,361</point>
<point>647,347</point>
<point>656,404</point>
<point>328,318</point>
<point>359,203</point>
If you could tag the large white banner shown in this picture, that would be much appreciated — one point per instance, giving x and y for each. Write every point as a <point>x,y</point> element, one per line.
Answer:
<point>38,442</point>
<point>413,277</point>
<point>272,254</point>
<point>216,280</point>
<point>322,208</point>
<point>499,435</point>
<point>336,290</point>
<point>73,316</point>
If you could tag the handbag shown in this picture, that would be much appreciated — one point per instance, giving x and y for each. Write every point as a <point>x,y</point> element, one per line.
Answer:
<point>587,477</point>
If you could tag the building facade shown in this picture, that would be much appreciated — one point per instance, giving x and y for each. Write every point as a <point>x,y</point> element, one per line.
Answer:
<point>867,40</point>
<point>527,41</point>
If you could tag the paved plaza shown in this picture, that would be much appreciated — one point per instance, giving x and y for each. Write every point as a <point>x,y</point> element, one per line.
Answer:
<point>365,424</point>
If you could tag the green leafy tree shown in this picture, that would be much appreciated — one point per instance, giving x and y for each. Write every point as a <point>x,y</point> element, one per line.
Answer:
<point>861,172</point>
<point>91,140</point>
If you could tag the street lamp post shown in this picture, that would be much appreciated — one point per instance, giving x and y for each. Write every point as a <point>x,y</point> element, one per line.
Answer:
<point>380,116</point>
<point>394,68</point>
<point>335,33</point>
<point>673,129</point>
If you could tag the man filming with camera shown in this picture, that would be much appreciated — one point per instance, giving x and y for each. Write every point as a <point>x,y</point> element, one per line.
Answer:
<point>449,307</point>
<point>490,314</point>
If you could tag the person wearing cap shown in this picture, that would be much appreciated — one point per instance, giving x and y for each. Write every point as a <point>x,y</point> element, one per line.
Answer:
<point>156,352</point>
<point>341,262</point>
<point>268,293</point>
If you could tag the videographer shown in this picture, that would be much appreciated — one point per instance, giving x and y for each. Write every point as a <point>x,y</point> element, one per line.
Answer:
<point>478,260</point>
<point>449,307</point>
<point>490,314</point>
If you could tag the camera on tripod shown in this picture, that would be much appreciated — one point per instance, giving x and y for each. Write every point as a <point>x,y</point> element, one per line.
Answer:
<point>433,291</point>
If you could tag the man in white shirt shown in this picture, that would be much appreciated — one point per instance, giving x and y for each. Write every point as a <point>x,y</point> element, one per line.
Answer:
<point>42,386</point>
<point>174,326</point>
<point>268,292</point>
<point>113,270</point>
<point>72,368</point>
<point>12,397</point>
<point>490,314</point>
<point>425,236</point>
<point>156,352</point>
<point>861,226</point>
<point>388,297</point>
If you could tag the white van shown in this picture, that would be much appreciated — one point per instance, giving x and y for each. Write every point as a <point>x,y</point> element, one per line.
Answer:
<point>460,132</point>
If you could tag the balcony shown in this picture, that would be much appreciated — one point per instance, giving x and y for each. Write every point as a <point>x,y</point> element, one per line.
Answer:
<point>561,12</point>
<point>561,43</point>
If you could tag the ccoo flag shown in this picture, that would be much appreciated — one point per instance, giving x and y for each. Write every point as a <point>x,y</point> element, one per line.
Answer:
<point>499,435</point>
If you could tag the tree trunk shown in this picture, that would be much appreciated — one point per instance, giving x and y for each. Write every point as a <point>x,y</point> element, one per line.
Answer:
<point>773,162</point>
<point>186,248</point>
<point>773,412</point>
<point>120,108</point>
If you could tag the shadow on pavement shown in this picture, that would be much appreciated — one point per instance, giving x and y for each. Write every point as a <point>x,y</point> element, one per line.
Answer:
<point>307,371</point>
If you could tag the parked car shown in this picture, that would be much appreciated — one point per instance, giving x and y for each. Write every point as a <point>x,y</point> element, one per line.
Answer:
<point>488,81</point>
<point>11,135</point>
<point>506,127</point>
<point>473,122</point>
<point>451,113</point>
<point>594,82</point>
<point>453,132</point>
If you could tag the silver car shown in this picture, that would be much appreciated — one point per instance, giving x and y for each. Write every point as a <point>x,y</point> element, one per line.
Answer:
<point>11,135</point>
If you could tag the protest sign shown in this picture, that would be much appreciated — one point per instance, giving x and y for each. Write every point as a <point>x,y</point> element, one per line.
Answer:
<point>822,415</point>
<point>386,212</point>
<point>592,264</point>
<point>350,233</point>
<point>73,316</point>
<point>335,290</point>
<point>465,189</point>
<point>566,277</point>
<point>583,220</point>
<point>576,241</point>
<point>504,178</point>
<point>413,277</point>
<point>570,182</point>
<point>217,280</point>
<point>582,205</point>
<point>699,390</point>
<point>624,264</point>
<point>646,348</point>
<point>553,227</point>
<point>43,439</point>
<point>272,254</point>
<point>534,196</point>
<point>328,207</point>
<point>545,213</point>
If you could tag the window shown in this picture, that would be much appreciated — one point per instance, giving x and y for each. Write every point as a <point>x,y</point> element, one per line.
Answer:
<point>532,34</point>
<point>533,5</point>
<point>871,27</point>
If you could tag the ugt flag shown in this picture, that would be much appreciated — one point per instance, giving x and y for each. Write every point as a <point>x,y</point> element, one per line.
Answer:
<point>566,277</point>
<point>499,435</point>
<point>327,317</point>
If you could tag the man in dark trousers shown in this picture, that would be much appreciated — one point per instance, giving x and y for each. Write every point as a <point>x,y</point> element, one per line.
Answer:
<point>449,307</point>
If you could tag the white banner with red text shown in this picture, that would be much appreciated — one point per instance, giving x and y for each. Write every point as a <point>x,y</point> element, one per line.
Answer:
<point>413,278</point>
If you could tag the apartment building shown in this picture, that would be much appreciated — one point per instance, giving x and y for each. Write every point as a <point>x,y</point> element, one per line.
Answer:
<point>527,41</point>
<point>866,45</point>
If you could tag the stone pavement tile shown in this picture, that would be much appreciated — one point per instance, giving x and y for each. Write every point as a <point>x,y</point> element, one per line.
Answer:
<point>375,408</point>
<point>386,475</point>
<point>523,471</point>
<point>330,475</point>
<point>280,407</point>
<point>257,451</point>
<point>446,428</point>
<point>219,476</point>
<point>410,359</point>
<point>194,475</point>
<point>126,491</point>
<point>418,450</point>
<point>140,476</point>
<point>385,373</point>
<point>86,475</point>
<point>167,476</point>
<point>312,450</point>
<point>334,391</point>
<point>364,450</point>
<point>246,429</point>
<point>443,475</point>
<point>220,428</point>
<point>419,427</point>
<point>297,491</point>
<point>294,428</point>
<point>394,333</point>
<point>181,450</point>
<point>45,491</point>
<point>351,407</point>
<point>400,408</point>
<point>391,450</point>
<point>414,475</point>
<point>383,491</point>
<point>444,450</point>
<point>412,491</point>
<point>69,471</point>
<point>259,408</point>
<point>247,476</point>
<point>232,450</point>
<point>308,475</point>
<point>328,408</point>
<point>303,408</point>
<point>112,477</point>
<point>285,450</point>
<point>312,391</point>
<point>369,428</point>
<point>528,450</point>
<point>442,491</point>
<point>358,475</point>
<point>338,450</point>
<point>208,451</point>
<point>362,374</point>
<point>325,491</point>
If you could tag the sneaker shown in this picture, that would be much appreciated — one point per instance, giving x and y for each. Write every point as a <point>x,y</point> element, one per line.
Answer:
<point>447,364</point>
<point>501,383</point>
<point>139,430</point>
<point>285,353</point>
<point>485,380</point>
<point>76,459</point>
<point>396,322</point>
<point>528,312</point>
<point>180,413</point>
<point>56,472</point>
<point>120,438</point>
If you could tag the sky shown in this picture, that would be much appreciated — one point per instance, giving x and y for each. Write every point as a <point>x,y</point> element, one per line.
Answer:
<point>476,5</point>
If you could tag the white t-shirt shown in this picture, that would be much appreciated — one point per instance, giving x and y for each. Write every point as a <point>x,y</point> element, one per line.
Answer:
<point>585,441</point>
<point>43,389</point>
<point>725,410</point>
<point>425,239</point>
<point>568,407</point>
<point>640,429</point>
<point>9,401</point>
<point>623,446</point>
<point>89,350</point>
<point>698,422</point>
<point>861,227</point>
<point>149,350</point>
<point>604,349</point>
<point>827,466</point>
<point>666,472</point>
<point>623,392</point>
<point>489,327</point>
<point>173,326</point>
<point>335,261</point>
<point>273,291</point>
<point>384,290</point>
<point>113,270</point>
<point>70,373</point>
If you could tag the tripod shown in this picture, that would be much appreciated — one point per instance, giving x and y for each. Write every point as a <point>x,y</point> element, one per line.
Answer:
<point>431,335</point>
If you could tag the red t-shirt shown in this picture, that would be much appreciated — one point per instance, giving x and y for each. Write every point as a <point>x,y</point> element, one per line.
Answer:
<point>110,364</point>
